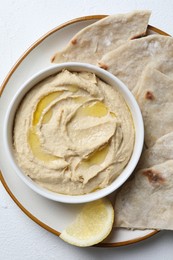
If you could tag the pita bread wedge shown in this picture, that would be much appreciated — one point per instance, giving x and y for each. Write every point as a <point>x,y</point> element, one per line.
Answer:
<point>91,43</point>
<point>128,61</point>
<point>146,201</point>
<point>160,152</point>
<point>155,99</point>
<point>164,65</point>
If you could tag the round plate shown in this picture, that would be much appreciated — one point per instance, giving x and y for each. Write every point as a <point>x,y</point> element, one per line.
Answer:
<point>51,215</point>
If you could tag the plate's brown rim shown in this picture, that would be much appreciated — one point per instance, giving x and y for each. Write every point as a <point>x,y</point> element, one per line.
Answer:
<point>7,78</point>
<point>157,30</point>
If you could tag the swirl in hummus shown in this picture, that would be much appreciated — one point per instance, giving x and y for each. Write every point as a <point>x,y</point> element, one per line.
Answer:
<point>73,133</point>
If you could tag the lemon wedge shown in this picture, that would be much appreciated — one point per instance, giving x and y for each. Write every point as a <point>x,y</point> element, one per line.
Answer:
<point>92,224</point>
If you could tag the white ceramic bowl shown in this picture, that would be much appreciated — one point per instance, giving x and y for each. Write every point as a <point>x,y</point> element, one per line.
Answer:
<point>110,79</point>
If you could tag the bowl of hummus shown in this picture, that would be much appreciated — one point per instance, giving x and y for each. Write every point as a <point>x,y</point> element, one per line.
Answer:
<point>73,133</point>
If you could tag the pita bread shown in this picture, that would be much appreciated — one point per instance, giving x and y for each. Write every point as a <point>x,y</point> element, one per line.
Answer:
<point>91,43</point>
<point>160,152</point>
<point>146,202</point>
<point>155,99</point>
<point>164,65</point>
<point>128,61</point>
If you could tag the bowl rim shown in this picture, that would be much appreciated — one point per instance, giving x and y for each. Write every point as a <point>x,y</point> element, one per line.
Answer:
<point>139,135</point>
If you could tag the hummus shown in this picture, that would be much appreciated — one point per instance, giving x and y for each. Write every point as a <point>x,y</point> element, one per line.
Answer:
<point>73,133</point>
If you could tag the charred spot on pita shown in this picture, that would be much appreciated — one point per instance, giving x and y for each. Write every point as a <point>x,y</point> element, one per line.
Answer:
<point>74,41</point>
<point>149,95</point>
<point>103,66</point>
<point>153,176</point>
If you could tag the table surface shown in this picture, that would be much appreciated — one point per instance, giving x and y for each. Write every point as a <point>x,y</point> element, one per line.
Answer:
<point>22,22</point>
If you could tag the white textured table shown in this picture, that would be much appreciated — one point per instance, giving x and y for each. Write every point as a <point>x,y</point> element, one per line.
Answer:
<point>21,23</point>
